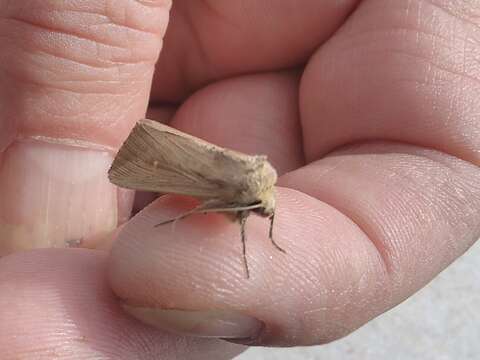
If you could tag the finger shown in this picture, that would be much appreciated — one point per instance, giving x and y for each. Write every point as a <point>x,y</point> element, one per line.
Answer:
<point>78,76</point>
<point>393,218</point>
<point>56,303</point>
<point>210,40</point>
<point>393,74</point>
<point>256,114</point>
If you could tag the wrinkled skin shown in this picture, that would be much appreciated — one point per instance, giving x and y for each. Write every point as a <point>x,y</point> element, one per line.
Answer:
<point>367,109</point>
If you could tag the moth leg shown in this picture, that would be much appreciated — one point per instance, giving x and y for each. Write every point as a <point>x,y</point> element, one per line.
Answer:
<point>270,235</point>
<point>242,217</point>
<point>203,207</point>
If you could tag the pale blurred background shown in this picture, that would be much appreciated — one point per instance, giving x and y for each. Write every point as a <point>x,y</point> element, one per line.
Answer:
<point>441,322</point>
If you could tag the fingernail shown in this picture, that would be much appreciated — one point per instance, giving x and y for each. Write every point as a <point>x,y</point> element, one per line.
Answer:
<point>54,195</point>
<point>206,324</point>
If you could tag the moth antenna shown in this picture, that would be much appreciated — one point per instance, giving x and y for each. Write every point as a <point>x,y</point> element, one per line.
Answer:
<point>270,235</point>
<point>207,207</point>
<point>232,208</point>
<point>204,207</point>
<point>243,221</point>
<point>174,220</point>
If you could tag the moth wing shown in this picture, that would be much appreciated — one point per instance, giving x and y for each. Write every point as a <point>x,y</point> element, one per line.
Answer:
<point>158,158</point>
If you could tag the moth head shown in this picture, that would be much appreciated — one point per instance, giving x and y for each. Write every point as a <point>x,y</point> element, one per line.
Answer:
<point>268,178</point>
<point>268,203</point>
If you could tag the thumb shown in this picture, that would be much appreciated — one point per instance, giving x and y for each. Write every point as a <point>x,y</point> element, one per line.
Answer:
<point>76,76</point>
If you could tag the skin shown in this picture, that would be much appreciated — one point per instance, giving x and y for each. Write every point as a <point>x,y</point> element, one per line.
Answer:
<point>367,109</point>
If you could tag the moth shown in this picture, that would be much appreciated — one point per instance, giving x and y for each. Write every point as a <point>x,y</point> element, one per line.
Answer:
<point>158,158</point>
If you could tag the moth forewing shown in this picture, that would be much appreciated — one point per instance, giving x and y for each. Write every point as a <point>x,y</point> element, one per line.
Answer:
<point>158,158</point>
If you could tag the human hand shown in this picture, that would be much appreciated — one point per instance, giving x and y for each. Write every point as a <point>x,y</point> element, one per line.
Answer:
<point>376,137</point>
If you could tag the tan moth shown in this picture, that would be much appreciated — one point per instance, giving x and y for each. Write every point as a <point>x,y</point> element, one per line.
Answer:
<point>158,158</point>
